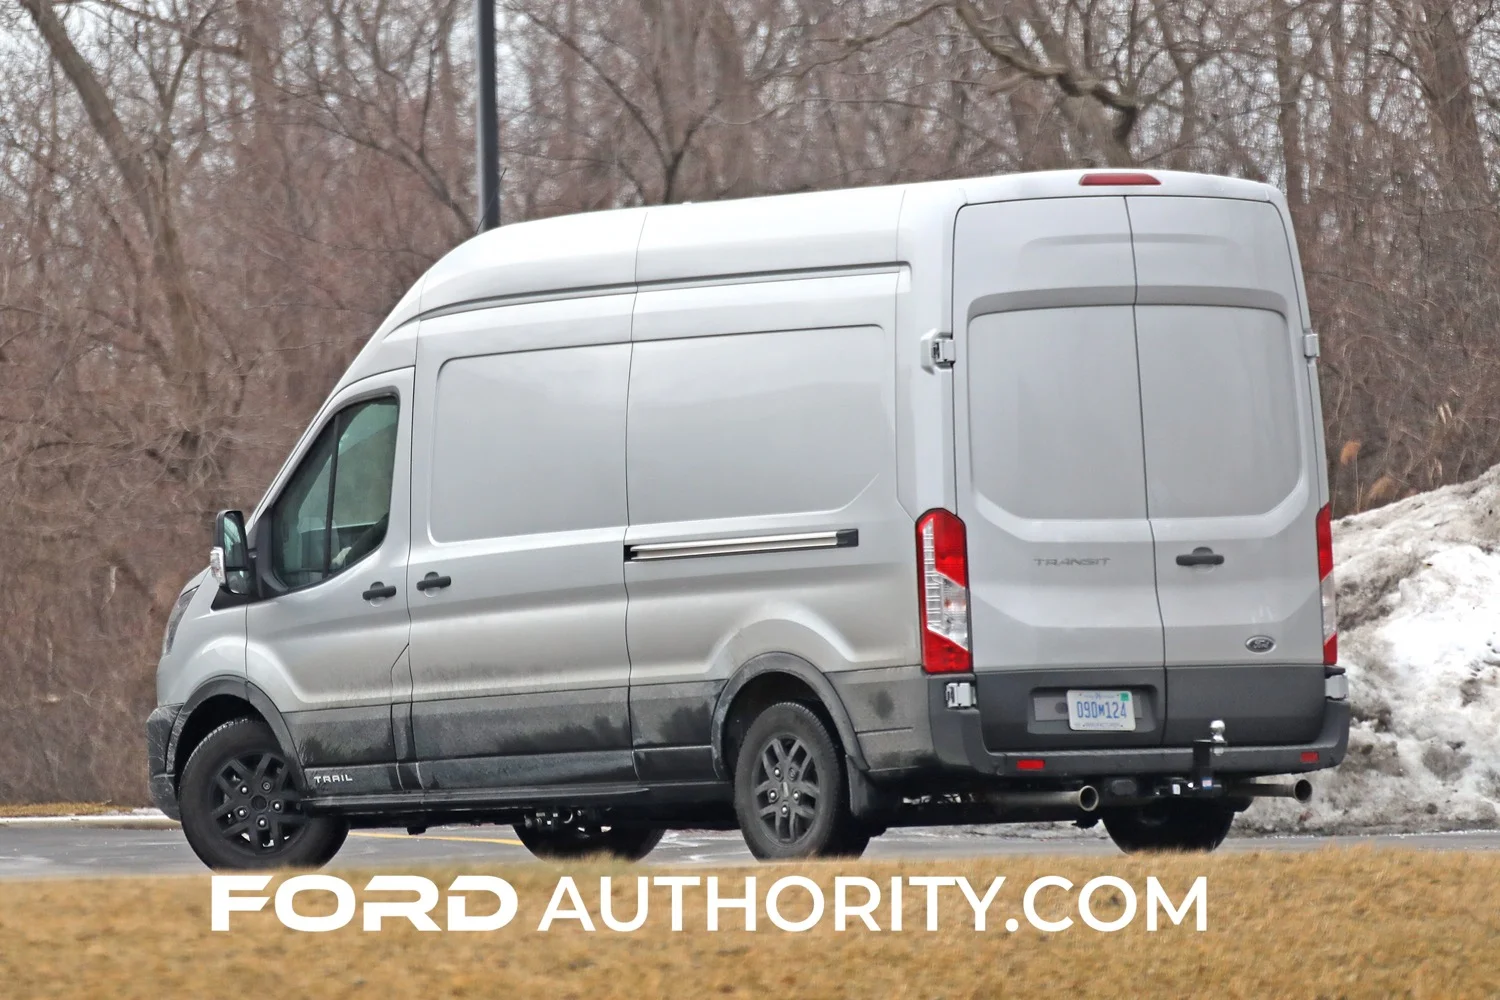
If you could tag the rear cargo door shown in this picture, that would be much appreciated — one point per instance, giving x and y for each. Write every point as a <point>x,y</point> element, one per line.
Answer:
<point>1230,476</point>
<point>1050,469</point>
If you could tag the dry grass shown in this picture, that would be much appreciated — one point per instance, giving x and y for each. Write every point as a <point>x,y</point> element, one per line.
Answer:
<point>1333,923</point>
<point>58,809</point>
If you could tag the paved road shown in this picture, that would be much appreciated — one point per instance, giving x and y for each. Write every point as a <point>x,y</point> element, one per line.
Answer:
<point>41,852</point>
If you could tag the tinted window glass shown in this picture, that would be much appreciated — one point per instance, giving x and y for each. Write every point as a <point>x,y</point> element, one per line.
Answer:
<point>336,506</point>
<point>1221,411</point>
<point>299,549</point>
<point>1054,413</point>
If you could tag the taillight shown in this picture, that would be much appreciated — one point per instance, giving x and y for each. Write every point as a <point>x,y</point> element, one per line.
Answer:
<point>1326,588</point>
<point>1118,178</point>
<point>943,590</point>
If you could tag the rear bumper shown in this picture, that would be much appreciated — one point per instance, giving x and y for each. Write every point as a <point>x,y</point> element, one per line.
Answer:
<point>163,782</point>
<point>958,742</point>
<point>951,741</point>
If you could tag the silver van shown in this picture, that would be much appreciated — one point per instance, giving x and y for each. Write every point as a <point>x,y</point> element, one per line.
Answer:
<point>962,502</point>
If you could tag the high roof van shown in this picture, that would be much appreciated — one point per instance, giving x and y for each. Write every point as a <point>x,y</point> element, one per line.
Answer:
<point>960,502</point>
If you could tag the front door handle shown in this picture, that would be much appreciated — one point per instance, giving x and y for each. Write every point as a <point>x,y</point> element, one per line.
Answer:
<point>378,590</point>
<point>1201,556</point>
<point>433,582</point>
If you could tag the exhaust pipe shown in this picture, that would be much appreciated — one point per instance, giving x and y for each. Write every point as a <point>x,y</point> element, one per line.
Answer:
<point>1085,799</point>
<point>1301,790</point>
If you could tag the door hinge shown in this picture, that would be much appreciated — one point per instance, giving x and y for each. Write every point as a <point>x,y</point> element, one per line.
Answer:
<point>1310,345</point>
<point>938,350</point>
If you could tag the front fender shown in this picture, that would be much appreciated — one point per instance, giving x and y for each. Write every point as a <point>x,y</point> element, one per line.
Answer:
<point>236,687</point>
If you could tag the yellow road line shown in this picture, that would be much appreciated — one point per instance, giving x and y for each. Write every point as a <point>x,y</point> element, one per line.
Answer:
<point>438,836</point>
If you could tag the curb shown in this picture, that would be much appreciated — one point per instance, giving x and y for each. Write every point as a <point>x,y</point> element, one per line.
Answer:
<point>138,819</point>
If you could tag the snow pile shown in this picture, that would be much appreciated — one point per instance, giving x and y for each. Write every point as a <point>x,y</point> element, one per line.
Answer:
<point>1419,631</point>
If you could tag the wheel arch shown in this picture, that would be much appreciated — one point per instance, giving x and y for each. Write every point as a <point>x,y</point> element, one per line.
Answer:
<point>215,702</point>
<point>764,680</point>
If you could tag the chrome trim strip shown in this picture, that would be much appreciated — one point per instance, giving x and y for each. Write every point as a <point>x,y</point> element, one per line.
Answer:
<point>654,551</point>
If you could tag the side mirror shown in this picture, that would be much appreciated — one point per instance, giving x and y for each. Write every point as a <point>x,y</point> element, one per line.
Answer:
<point>229,559</point>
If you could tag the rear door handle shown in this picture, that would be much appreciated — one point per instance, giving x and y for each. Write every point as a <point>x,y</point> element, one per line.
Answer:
<point>378,590</point>
<point>1201,556</point>
<point>434,582</point>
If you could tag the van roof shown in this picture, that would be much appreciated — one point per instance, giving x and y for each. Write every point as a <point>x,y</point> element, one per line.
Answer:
<point>621,248</point>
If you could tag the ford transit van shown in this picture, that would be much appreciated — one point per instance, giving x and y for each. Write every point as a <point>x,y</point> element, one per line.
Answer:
<point>962,502</point>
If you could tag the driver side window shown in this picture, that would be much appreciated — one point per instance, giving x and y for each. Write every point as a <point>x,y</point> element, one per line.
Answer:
<point>336,506</point>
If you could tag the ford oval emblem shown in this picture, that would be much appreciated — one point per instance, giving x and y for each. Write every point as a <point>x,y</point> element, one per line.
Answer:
<point>1260,644</point>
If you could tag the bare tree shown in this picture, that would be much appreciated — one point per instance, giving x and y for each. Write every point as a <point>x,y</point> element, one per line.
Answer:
<point>206,206</point>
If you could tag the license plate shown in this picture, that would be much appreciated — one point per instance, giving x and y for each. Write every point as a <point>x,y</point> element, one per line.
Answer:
<point>1101,711</point>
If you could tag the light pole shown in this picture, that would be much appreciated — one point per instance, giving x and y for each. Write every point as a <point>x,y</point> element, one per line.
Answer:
<point>487,120</point>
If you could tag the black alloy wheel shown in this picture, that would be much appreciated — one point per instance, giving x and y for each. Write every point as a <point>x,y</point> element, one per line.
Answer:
<point>242,806</point>
<point>255,804</point>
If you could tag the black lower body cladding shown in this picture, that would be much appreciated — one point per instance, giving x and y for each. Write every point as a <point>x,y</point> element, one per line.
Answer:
<point>887,708</point>
<point>163,782</point>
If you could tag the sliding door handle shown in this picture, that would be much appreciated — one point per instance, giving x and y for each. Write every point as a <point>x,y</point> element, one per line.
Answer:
<point>434,582</point>
<point>1201,556</point>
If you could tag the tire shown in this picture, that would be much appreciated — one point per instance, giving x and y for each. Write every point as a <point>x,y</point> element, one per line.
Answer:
<point>856,838</point>
<point>788,757</point>
<point>1173,825</point>
<point>580,839</point>
<point>233,826</point>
